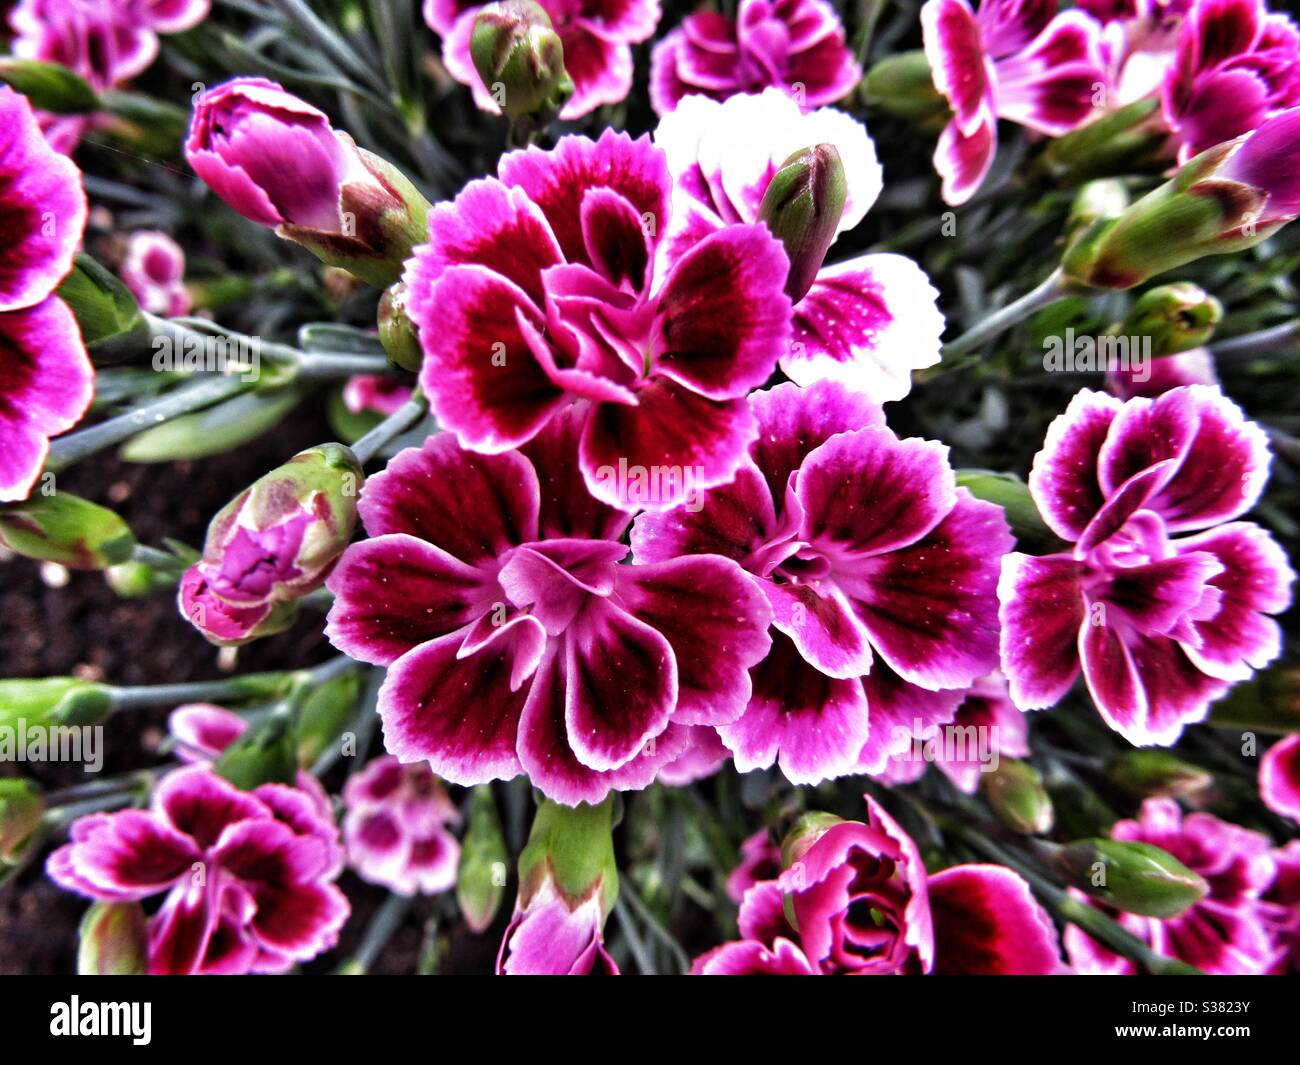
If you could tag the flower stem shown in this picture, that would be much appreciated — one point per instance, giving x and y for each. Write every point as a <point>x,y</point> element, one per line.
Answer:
<point>1262,342</point>
<point>382,926</point>
<point>1052,289</point>
<point>242,688</point>
<point>192,396</point>
<point>394,425</point>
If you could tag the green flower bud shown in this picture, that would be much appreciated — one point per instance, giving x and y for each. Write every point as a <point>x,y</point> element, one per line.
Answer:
<point>1151,771</point>
<point>802,207</point>
<point>1131,140</point>
<point>481,879</point>
<point>1103,198</point>
<point>1016,794</point>
<point>806,832</point>
<point>397,332</point>
<point>520,58</point>
<point>109,317</point>
<point>572,847</point>
<point>1130,876</point>
<point>21,809</point>
<point>132,580</point>
<point>49,86</point>
<point>324,715</point>
<point>1176,317</point>
<point>54,701</point>
<point>902,85</point>
<point>66,529</point>
<point>1228,198</point>
<point>114,940</point>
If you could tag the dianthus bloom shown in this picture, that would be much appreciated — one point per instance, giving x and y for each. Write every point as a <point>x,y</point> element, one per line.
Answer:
<point>492,588</point>
<point>381,394</point>
<point>154,270</point>
<point>539,290</point>
<point>880,572</point>
<point>1237,65</point>
<point>395,828</point>
<point>46,379</point>
<point>1160,625</point>
<point>986,728</point>
<point>864,905</point>
<point>247,875</point>
<point>1016,60</point>
<point>1281,906</point>
<point>1225,933</point>
<point>597,36</point>
<point>795,46</point>
<point>868,321</point>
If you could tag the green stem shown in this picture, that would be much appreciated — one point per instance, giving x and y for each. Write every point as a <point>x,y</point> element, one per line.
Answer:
<point>1051,290</point>
<point>394,425</point>
<point>385,922</point>
<point>1262,342</point>
<point>247,686</point>
<point>194,395</point>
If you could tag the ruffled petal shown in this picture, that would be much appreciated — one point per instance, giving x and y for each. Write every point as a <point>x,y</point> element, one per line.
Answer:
<point>986,922</point>
<point>1041,611</point>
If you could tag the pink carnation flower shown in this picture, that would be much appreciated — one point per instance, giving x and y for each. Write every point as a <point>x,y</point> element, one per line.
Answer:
<point>1160,625</point>
<point>515,640</point>
<point>539,291</point>
<point>1279,777</point>
<point>248,876</point>
<point>1013,59</point>
<point>794,46</point>
<point>395,828</point>
<point>1195,367</point>
<point>880,573</point>
<point>154,270</point>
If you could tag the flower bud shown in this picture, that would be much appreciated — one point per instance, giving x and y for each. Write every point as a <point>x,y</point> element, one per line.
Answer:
<point>397,331</point>
<point>66,529</point>
<point>1176,317</point>
<point>481,879</point>
<point>1131,876</point>
<point>903,85</point>
<point>1228,198</point>
<point>1016,794</point>
<point>520,58</point>
<point>21,809</point>
<point>802,207</point>
<point>1150,771</point>
<point>132,580</point>
<point>277,539</point>
<point>221,622</point>
<point>1103,198</point>
<point>1130,140</point>
<point>276,160</point>
<point>49,86</point>
<point>54,701</point>
<point>114,940</point>
<point>568,884</point>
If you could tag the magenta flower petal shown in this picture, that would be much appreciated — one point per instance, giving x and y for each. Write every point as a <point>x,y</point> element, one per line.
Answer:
<point>299,920</point>
<point>1177,692</point>
<point>815,726</point>
<point>1279,777</point>
<point>696,603</point>
<point>493,508</point>
<point>986,922</point>
<point>557,181</point>
<point>748,957</point>
<point>723,317</point>
<point>567,509</point>
<point>961,71</point>
<point>394,592</point>
<point>1223,459</point>
<point>902,714</point>
<point>551,939</point>
<point>202,805</point>
<point>1042,612</point>
<point>458,714</point>
<point>203,730</point>
<point>1064,480</point>
<point>42,209</point>
<point>125,856</point>
<point>671,429</point>
<point>704,755</point>
<point>793,421</point>
<point>489,225</point>
<point>927,606</point>
<point>1051,86</point>
<point>46,384</point>
<point>867,322</point>
<point>732,520</point>
<point>823,626</point>
<point>179,933</point>
<point>482,379</point>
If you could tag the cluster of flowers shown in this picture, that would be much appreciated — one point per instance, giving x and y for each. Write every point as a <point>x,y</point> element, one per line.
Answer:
<point>631,557</point>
